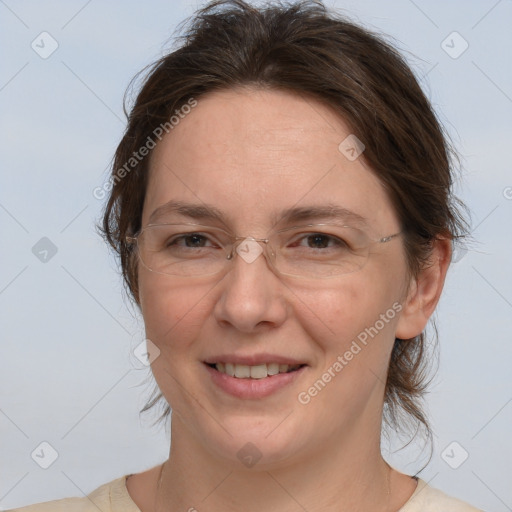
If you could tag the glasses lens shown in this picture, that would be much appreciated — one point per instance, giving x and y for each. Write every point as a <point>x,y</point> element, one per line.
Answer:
<point>183,249</point>
<point>320,251</point>
<point>312,251</point>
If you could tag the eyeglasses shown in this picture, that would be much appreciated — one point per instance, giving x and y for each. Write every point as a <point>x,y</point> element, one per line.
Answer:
<point>308,251</point>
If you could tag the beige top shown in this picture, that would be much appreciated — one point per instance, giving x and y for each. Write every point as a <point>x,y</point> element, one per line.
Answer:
<point>113,497</point>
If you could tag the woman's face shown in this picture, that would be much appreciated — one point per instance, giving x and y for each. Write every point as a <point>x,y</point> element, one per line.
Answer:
<point>251,155</point>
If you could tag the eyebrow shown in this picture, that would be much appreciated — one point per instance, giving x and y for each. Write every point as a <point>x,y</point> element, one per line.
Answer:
<point>206,212</point>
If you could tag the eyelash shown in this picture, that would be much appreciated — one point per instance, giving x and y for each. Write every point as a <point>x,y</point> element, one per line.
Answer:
<point>300,237</point>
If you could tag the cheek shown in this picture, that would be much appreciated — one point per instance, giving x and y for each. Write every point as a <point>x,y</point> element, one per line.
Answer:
<point>173,313</point>
<point>358,320</point>
<point>174,316</point>
<point>339,313</point>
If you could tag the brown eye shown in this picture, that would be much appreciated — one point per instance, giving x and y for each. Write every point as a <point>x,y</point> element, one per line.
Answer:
<point>188,240</point>
<point>322,241</point>
<point>319,241</point>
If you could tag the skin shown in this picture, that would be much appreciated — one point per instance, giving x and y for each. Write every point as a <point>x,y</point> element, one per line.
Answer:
<point>251,153</point>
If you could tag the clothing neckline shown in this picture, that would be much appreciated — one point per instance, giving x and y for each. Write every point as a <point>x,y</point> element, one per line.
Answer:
<point>124,500</point>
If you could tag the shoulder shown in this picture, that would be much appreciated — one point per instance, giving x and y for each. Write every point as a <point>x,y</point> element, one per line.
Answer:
<point>429,499</point>
<point>110,497</point>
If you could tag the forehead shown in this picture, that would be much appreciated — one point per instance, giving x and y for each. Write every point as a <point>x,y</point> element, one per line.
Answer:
<point>253,153</point>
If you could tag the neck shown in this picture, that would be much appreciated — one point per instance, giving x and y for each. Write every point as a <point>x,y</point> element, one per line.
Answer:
<point>354,477</point>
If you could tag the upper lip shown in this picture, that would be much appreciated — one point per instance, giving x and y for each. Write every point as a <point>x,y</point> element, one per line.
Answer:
<point>253,360</point>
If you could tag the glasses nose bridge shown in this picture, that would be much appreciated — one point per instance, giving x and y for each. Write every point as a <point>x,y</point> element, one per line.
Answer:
<point>263,242</point>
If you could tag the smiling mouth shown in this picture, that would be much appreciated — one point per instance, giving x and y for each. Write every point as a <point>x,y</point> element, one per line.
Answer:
<point>260,371</point>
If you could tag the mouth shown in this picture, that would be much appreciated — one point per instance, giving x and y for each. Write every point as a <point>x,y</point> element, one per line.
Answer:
<point>254,381</point>
<point>259,371</point>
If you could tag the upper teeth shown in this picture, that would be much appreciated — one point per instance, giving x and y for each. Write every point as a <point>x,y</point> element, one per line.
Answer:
<point>260,371</point>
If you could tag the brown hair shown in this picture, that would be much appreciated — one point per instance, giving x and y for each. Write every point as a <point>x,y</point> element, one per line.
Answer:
<point>305,49</point>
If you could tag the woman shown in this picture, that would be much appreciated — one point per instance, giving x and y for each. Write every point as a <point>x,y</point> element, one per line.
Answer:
<point>281,205</point>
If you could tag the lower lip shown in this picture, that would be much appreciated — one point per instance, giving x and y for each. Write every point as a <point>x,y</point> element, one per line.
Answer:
<point>253,388</point>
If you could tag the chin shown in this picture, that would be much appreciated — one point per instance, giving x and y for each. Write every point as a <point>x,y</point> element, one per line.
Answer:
<point>257,444</point>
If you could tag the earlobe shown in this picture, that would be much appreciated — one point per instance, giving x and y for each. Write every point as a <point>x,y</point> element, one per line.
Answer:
<point>424,292</point>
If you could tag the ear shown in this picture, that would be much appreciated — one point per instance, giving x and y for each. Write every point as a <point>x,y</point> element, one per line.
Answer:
<point>425,291</point>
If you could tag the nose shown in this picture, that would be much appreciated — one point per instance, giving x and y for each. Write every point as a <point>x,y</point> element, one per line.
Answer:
<point>252,296</point>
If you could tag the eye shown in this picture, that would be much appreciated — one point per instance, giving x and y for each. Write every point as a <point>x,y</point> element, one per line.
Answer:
<point>189,240</point>
<point>186,241</point>
<point>320,241</point>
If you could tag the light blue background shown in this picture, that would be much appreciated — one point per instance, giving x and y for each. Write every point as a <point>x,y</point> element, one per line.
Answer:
<point>67,372</point>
